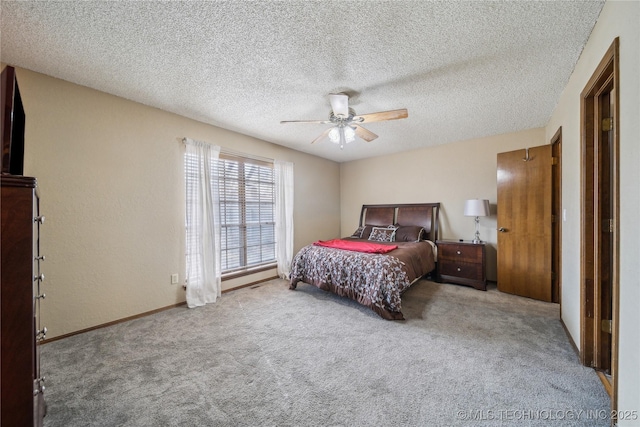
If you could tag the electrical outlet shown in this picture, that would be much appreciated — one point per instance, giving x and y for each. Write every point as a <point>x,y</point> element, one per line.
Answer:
<point>174,279</point>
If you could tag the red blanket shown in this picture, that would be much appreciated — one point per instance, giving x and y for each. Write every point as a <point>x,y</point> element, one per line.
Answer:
<point>349,245</point>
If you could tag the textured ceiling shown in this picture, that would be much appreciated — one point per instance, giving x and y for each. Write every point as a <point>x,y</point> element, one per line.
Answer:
<point>462,69</point>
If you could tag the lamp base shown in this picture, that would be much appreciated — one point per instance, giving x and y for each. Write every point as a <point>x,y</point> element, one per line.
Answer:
<point>476,240</point>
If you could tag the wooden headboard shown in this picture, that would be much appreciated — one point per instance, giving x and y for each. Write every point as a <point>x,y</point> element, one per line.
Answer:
<point>424,215</point>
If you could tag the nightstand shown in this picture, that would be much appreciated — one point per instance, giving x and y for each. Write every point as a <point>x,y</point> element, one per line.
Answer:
<point>462,262</point>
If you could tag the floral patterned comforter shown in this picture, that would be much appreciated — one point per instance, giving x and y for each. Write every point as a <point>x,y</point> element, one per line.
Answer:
<point>374,280</point>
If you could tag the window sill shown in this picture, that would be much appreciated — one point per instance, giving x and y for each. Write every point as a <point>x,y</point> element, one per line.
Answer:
<point>242,273</point>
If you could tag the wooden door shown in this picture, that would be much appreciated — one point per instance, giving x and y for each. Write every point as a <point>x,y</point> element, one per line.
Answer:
<point>605,209</point>
<point>600,236</point>
<point>525,222</point>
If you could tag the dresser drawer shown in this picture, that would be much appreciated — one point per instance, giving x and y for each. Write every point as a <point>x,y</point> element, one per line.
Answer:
<point>463,253</point>
<point>462,270</point>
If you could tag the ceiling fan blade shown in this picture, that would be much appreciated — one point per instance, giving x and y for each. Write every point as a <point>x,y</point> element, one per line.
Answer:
<point>363,133</point>
<point>305,121</point>
<point>339,104</point>
<point>322,135</point>
<point>382,115</point>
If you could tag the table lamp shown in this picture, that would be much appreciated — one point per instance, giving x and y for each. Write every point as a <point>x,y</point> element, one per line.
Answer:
<point>477,208</point>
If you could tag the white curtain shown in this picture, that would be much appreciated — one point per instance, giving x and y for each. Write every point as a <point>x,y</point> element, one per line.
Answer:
<point>203,223</point>
<point>284,217</point>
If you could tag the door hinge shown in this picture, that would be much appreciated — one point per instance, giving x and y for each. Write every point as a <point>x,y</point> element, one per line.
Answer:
<point>554,161</point>
<point>606,326</point>
<point>611,226</point>
<point>607,124</point>
<point>553,219</point>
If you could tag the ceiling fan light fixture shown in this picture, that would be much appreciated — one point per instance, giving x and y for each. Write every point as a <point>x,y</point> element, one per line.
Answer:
<point>349,134</point>
<point>334,135</point>
<point>342,135</point>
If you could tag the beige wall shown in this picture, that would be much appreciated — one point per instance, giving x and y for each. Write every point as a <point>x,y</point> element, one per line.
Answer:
<point>617,19</point>
<point>110,173</point>
<point>448,173</point>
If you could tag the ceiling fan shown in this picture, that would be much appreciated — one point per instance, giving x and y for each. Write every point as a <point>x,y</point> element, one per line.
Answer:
<point>347,123</point>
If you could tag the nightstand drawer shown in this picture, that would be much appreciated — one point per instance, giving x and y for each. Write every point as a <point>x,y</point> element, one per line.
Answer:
<point>464,253</point>
<point>462,270</point>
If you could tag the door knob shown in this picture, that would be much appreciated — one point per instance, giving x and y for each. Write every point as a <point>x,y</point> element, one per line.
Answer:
<point>502,230</point>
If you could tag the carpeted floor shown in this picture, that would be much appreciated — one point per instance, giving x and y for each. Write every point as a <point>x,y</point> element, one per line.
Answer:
<point>268,356</point>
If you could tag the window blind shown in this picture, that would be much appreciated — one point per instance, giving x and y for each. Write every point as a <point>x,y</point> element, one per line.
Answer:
<point>247,210</point>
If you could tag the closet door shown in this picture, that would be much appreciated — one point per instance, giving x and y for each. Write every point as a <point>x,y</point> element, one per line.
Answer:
<point>525,222</point>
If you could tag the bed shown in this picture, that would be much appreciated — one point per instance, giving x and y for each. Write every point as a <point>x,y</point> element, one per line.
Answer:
<point>393,247</point>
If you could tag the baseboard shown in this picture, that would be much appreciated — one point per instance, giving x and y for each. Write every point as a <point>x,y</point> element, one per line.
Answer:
<point>606,383</point>
<point>573,344</point>
<point>114,322</point>
<point>146,313</point>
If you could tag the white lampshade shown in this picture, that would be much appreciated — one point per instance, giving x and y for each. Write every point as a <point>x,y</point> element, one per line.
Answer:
<point>476,207</point>
<point>349,134</point>
<point>342,135</point>
<point>334,135</point>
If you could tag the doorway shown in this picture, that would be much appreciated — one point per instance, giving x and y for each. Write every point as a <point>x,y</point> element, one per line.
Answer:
<point>599,223</point>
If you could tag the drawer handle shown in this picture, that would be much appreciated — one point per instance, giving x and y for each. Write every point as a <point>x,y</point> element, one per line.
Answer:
<point>459,269</point>
<point>39,383</point>
<point>459,253</point>
<point>41,334</point>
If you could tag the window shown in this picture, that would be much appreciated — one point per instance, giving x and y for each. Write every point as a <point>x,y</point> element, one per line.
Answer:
<point>247,219</point>
<point>247,211</point>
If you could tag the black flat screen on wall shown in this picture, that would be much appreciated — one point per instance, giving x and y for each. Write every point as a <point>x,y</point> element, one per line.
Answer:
<point>13,120</point>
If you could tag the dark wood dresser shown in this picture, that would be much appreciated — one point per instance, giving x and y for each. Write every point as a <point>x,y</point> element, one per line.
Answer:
<point>21,386</point>
<point>462,262</point>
